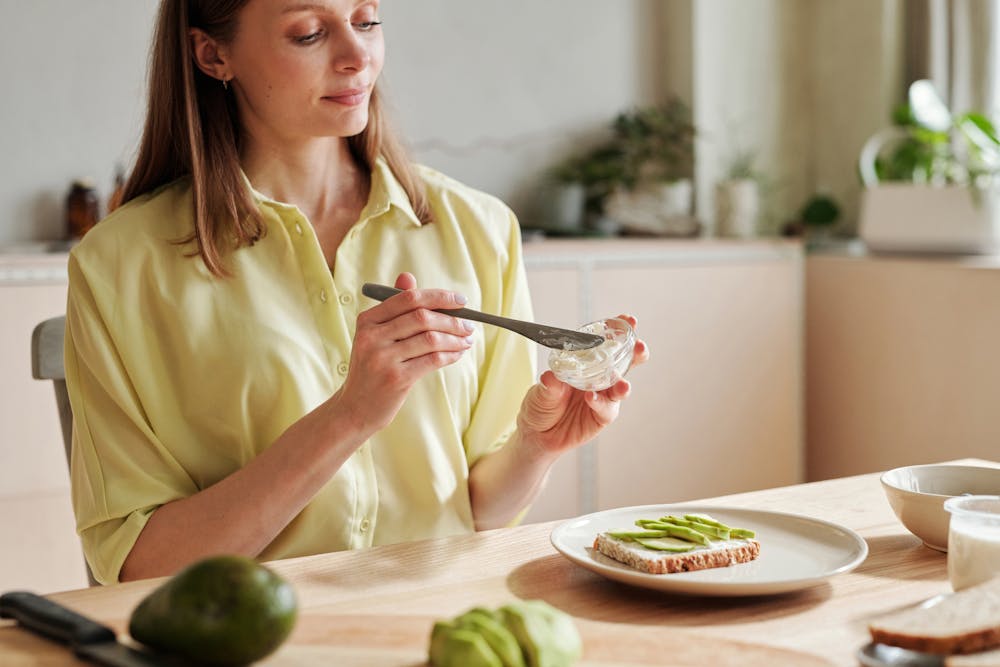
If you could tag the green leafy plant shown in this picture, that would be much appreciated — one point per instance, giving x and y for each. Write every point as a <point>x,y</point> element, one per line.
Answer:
<point>743,167</point>
<point>928,155</point>
<point>654,143</point>
<point>657,142</point>
<point>819,211</point>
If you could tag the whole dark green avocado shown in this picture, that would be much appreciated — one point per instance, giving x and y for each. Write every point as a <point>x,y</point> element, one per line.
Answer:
<point>223,610</point>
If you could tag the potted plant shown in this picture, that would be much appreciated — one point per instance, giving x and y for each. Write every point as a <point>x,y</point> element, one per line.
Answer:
<point>575,189</point>
<point>564,198</point>
<point>930,180</point>
<point>656,145</point>
<point>737,198</point>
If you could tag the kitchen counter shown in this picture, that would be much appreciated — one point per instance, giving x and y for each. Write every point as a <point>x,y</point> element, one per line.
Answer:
<point>42,263</point>
<point>630,251</point>
<point>901,360</point>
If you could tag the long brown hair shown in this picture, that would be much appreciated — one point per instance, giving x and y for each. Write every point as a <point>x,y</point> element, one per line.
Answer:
<point>192,129</point>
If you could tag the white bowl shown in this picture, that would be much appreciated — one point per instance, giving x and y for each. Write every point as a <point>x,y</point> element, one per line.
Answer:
<point>917,495</point>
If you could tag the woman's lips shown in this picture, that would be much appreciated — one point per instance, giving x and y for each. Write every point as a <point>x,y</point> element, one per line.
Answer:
<point>350,98</point>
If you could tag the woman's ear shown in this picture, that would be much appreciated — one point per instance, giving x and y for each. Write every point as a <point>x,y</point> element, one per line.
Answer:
<point>209,55</point>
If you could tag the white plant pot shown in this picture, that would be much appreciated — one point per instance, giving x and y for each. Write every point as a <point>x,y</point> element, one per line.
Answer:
<point>737,205</point>
<point>563,206</point>
<point>654,208</point>
<point>908,217</point>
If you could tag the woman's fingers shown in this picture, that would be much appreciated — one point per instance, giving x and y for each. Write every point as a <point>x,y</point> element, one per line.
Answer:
<point>431,341</point>
<point>632,321</point>
<point>619,391</point>
<point>405,281</point>
<point>415,299</point>
<point>417,322</point>
<point>406,330</point>
<point>640,353</point>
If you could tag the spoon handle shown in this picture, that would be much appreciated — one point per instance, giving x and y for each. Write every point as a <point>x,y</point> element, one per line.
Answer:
<point>554,337</point>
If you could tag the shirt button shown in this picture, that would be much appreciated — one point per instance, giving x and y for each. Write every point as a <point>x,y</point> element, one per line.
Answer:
<point>345,299</point>
<point>342,368</point>
<point>298,229</point>
<point>365,525</point>
<point>322,295</point>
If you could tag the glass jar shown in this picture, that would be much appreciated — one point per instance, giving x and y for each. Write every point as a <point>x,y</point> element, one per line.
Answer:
<point>81,209</point>
<point>599,367</point>
<point>973,540</point>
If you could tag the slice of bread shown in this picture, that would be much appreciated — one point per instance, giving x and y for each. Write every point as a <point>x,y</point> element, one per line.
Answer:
<point>964,622</point>
<point>721,553</point>
<point>985,659</point>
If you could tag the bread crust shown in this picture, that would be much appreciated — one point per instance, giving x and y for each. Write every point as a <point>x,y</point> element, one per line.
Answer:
<point>967,621</point>
<point>665,562</point>
<point>972,642</point>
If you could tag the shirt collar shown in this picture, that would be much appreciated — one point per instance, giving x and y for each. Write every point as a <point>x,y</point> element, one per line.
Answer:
<point>386,193</point>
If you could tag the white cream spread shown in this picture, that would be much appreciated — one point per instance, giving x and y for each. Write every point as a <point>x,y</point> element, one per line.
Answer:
<point>599,367</point>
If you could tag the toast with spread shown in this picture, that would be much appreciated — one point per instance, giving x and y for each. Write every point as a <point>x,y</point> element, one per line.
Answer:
<point>674,544</point>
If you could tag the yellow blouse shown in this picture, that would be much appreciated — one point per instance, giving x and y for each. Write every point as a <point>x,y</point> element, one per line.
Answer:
<point>178,378</point>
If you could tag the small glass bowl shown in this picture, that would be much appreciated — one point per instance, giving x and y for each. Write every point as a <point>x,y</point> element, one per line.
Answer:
<point>600,367</point>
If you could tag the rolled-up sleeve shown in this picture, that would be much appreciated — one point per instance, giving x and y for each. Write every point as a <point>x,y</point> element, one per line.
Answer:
<point>509,367</point>
<point>120,472</point>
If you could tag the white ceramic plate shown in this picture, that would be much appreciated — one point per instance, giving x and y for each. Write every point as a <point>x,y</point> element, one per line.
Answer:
<point>796,551</point>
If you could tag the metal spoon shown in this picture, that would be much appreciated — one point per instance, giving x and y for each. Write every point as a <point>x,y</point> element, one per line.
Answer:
<point>554,337</point>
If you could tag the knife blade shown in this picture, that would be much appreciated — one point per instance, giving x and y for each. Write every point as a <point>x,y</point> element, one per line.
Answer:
<point>543,334</point>
<point>88,639</point>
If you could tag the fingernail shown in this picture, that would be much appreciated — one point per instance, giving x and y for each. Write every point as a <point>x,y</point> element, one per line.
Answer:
<point>469,326</point>
<point>460,298</point>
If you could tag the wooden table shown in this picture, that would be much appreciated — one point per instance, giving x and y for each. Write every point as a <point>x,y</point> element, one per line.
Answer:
<point>376,607</point>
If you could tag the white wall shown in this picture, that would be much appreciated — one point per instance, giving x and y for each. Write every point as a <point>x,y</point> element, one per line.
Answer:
<point>801,84</point>
<point>493,93</point>
<point>72,78</point>
<point>490,92</point>
<point>751,93</point>
<point>857,54</point>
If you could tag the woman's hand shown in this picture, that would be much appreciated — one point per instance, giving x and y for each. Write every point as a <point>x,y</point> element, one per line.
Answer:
<point>396,343</point>
<point>555,417</point>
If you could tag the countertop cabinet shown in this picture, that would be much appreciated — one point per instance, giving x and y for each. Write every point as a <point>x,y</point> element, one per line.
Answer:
<point>39,549</point>
<point>718,408</point>
<point>903,361</point>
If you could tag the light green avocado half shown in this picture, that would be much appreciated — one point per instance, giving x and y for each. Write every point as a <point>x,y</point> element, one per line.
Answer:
<point>528,633</point>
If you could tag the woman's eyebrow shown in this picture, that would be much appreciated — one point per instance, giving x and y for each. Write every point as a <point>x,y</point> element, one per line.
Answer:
<point>303,6</point>
<point>317,6</point>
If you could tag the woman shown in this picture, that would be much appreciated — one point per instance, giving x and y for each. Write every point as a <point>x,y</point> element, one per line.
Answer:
<point>232,390</point>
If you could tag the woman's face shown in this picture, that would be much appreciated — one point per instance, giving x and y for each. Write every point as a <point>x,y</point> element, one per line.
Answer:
<point>305,68</point>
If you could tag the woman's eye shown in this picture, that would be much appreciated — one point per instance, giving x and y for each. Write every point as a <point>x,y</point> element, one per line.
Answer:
<point>310,38</point>
<point>365,26</point>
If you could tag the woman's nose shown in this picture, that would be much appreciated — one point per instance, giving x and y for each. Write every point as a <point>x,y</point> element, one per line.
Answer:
<point>350,52</point>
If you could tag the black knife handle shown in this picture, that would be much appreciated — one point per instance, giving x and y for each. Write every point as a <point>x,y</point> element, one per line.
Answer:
<point>52,620</point>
